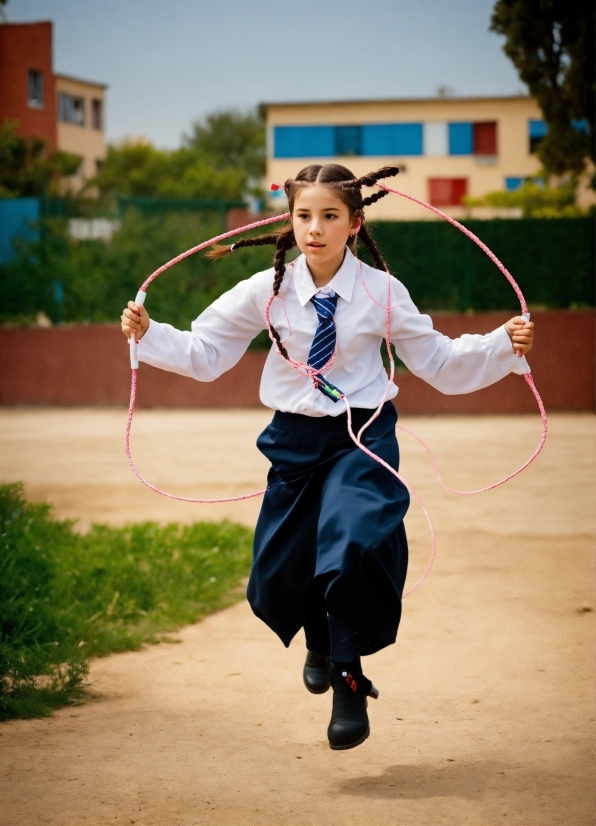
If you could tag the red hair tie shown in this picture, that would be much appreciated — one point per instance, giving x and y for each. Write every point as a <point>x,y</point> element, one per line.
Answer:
<point>274,187</point>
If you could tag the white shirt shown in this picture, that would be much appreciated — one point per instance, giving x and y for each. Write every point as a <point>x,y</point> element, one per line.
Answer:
<point>221,334</point>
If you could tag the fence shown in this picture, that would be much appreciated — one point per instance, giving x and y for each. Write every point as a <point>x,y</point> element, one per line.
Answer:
<point>89,366</point>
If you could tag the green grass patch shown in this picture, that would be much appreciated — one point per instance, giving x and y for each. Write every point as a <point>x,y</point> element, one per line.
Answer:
<point>65,597</point>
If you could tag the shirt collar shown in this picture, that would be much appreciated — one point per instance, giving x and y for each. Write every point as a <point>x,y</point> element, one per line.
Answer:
<point>342,282</point>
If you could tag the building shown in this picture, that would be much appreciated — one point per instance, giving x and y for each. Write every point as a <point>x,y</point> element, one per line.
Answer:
<point>446,147</point>
<point>27,92</point>
<point>80,105</point>
<point>66,112</point>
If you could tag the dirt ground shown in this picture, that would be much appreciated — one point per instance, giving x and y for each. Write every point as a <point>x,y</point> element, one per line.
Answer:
<point>487,701</point>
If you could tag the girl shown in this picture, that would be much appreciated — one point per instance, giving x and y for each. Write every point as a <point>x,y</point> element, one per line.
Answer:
<point>330,549</point>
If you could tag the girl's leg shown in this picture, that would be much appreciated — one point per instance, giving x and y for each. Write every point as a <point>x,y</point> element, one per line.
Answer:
<point>317,637</point>
<point>317,666</point>
<point>349,724</point>
<point>361,563</point>
<point>346,644</point>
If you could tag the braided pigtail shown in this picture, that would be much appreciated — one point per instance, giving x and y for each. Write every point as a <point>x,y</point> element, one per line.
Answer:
<point>368,242</point>
<point>221,250</point>
<point>285,241</point>
<point>376,196</point>
<point>373,177</point>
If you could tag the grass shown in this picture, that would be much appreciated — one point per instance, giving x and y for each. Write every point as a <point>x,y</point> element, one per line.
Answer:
<point>65,597</point>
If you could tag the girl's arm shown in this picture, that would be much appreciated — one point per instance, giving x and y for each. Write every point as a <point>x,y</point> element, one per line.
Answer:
<point>216,342</point>
<point>459,365</point>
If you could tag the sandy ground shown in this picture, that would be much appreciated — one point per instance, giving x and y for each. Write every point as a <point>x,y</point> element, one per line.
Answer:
<point>487,700</point>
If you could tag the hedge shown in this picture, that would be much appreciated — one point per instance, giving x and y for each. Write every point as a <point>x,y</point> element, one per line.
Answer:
<point>553,261</point>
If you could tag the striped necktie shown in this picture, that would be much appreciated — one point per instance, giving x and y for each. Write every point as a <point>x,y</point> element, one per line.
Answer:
<point>323,343</point>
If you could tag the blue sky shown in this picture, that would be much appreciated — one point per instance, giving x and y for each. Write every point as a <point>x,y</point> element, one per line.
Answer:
<point>172,61</point>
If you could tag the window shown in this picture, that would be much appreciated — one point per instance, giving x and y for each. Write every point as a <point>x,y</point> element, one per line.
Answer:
<point>35,89</point>
<point>304,142</point>
<point>96,114</point>
<point>328,141</point>
<point>99,165</point>
<point>348,140</point>
<point>392,139</point>
<point>479,139</point>
<point>485,138</point>
<point>461,138</point>
<point>447,191</point>
<point>71,109</point>
<point>537,130</point>
<point>511,184</point>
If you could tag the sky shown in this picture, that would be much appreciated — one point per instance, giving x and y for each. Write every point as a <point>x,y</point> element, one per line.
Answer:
<point>170,62</point>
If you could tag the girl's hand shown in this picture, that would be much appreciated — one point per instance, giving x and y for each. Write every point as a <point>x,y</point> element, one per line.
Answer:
<point>521,334</point>
<point>134,320</point>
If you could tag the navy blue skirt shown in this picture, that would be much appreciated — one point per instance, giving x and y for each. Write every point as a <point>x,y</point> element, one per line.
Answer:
<point>330,537</point>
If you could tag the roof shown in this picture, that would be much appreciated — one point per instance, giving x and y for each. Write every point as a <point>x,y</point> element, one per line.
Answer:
<point>81,80</point>
<point>434,99</point>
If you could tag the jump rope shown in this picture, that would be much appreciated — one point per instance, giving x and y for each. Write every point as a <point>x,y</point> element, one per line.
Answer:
<point>334,392</point>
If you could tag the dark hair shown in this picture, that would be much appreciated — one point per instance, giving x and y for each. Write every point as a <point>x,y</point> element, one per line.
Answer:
<point>347,188</point>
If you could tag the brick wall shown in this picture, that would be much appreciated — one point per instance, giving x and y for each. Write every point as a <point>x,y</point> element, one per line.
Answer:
<point>90,366</point>
<point>25,46</point>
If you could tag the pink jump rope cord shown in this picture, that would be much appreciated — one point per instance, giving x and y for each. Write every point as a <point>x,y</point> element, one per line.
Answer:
<point>309,371</point>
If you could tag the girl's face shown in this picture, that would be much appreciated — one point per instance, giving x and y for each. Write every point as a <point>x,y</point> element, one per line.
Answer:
<point>322,224</point>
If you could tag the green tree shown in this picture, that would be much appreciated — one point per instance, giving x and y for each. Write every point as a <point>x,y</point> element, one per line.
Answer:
<point>28,168</point>
<point>551,44</point>
<point>141,169</point>
<point>231,138</point>
<point>222,157</point>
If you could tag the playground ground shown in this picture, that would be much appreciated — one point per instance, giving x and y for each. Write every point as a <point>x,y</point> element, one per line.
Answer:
<point>487,701</point>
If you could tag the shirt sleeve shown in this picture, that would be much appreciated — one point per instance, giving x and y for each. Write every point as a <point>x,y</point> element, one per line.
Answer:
<point>216,342</point>
<point>452,366</point>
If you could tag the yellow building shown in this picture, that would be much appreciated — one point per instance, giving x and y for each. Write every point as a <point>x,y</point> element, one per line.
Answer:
<point>446,147</point>
<point>81,130</point>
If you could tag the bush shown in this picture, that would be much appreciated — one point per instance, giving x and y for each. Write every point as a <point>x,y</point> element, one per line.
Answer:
<point>65,597</point>
<point>98,279</point>
<point>535,199</point>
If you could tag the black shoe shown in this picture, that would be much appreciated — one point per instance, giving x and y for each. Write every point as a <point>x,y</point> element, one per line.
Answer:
<point>316,673</point>
<point>349,721</point>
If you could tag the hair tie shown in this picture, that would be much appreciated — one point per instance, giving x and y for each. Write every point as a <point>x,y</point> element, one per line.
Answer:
<point>233,247</point>
<point>274,187</point>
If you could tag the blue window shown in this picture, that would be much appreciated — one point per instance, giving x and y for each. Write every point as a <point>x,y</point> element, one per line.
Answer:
<point>461,138</point>
<point>511,184</point>
<point>304,142</point>
<point>392,139</point>
<point>580,126</point>
<point>348,140</point>
<point>328,141</point>
<point>537,130</point>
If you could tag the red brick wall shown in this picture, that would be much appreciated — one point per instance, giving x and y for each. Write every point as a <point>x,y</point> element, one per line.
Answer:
<point>25,46</point>
<point>90,366</point>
